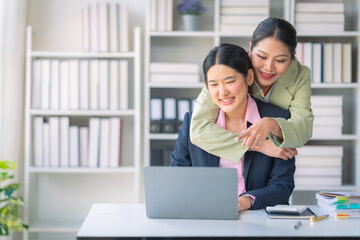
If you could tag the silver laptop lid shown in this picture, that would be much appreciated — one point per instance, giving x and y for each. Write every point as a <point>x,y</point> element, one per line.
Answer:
<point>191,192</point>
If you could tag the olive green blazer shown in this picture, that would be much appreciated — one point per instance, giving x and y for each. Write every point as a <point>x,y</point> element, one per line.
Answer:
<point>292,91</point>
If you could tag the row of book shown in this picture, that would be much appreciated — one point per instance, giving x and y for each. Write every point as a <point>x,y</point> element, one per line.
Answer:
<point>320,16</point>
<point>340,205</point>
<point>328,116</point>
<point>319,166</point>
<point>105,27</point>
<point>161,15</point>
<point>242,16</point>
<point>80,84</point>
<point>162,72</point>
<point>167,114</point>
<point>59,144</point>
<point>328,62</point>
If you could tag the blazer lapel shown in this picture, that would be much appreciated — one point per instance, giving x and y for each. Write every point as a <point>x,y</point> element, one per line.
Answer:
<point>248,158</point>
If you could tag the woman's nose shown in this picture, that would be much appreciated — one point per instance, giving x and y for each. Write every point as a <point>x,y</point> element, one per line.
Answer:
<point>223,90</point>
<point>269,65</point>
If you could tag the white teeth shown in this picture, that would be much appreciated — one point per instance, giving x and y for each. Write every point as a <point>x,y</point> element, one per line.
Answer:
<point>226,100</point>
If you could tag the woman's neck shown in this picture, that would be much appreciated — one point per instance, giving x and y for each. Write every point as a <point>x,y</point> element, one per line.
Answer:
<point>235,121</point>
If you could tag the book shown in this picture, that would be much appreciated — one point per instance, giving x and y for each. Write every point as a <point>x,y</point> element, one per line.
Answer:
<point>156,115</point>
<point>245,10</point>
<point>103,15</point>
<point>123,27</point>
<point>124,84</point>
<point>233,3</point>
<point>36,84</point>
<point>243,28</point>
<point>64,84</point>
<point>327,100</point>
<point>169,15</point>
<point>318,171</point>
<point>104,143</point>
<point>74,146</point>
<point>330,151</point>
<point>165,67</point>
<point>153,15</point>
<point>103,84</point>
<point>328,121</point>
<point>94,84</point>
<point>317,62</point>
<point>38,142</point>
<point>64,141</point>
<point>337,62</point>
<point>54,84</point>
<point>247,19</point>
<point>319,27</point>
<point>84,84</point>
<point>54,127</point>
<point>93,147</point>
<point>94,27</point>
<point>328,63</point>
<point>169,121</point>
<point>346,63</point>
<point>84,134</point>
<point>287,209</point>
<point>114,84</point>
<point>161,13</point>
<point>311,17</point>
<point>318,181</point>
<point>312,161</point>
<point>326,111</point>
<point>46,145</point>
<point>318,7</point>
<point>74,83</point>
<point>300,52</point>
<point>115,142</point>
<point>113,27</point>
<point>45,83</point>
<point>175,77</point>
<point>308,57</point>
<point>326,131</point>
<point>183,106</point>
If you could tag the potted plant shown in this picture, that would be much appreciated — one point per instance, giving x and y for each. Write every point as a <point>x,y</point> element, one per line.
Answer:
<point>9,204</point>
<point>190,11</point>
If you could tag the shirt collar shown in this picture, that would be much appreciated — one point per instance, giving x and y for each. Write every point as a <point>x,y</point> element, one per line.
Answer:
<point>252,114</point>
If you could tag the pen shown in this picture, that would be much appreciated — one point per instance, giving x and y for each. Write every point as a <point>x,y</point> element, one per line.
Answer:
<point>297,225</point>
<point>315,219</point>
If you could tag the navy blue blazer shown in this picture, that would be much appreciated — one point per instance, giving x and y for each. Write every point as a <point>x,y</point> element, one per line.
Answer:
<point>270,180</point>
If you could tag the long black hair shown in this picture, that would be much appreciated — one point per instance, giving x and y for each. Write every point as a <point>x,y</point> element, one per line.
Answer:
<point>278,28</point>
<point>230,55</point>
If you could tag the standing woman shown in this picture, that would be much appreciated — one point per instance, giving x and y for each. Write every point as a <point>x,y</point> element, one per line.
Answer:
<point>280,80</point>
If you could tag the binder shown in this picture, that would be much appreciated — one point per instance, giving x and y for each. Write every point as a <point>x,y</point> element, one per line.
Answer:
<point>169,115</point>
<point>183,106</point>
<point>155,115</point>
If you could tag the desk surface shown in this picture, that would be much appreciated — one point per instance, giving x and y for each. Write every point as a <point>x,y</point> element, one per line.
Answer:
<point>121,220</point>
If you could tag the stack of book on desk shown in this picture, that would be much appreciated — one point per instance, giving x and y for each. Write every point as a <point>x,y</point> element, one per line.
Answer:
<point>340,204</point>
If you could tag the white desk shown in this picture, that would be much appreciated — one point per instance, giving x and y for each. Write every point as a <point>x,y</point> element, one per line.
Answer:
<point>124,221</point>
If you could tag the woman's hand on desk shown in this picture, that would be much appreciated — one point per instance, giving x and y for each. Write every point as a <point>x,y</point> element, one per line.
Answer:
<point>243,204</point>
<point>269,149</point>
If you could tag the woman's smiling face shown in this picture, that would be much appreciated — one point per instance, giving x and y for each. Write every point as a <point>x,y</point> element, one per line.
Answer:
<point>228,88</point>
<point>271,59</point>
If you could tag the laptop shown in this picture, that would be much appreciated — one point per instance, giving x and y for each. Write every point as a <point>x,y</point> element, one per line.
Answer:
<point>191,193</point>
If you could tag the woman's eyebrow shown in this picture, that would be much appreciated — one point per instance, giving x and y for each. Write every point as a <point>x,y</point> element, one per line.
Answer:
<point>281,55</point>
<point>229,77</point>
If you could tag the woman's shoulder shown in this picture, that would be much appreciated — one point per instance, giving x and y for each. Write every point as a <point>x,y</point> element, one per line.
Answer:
<point>270,110</point>
<point>299,71</point>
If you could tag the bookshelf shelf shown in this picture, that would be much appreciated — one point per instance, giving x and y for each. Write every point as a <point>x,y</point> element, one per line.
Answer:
<point>100,113</point>
<point>182,34</point>
<point>82,170</point>
<point>176,85</point>
<point>329,34</point>
<point>97,55</point>
<point>335,85</point>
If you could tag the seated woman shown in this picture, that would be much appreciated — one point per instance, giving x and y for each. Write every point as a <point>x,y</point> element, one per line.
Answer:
<point>262,180</point>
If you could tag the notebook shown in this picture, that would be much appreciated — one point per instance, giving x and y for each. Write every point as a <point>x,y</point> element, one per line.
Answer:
<point>191,193</point>
<point>307,214</point>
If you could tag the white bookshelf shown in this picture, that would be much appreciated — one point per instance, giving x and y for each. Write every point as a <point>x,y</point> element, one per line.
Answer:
<point>57,199</point>
<point>177,43</point>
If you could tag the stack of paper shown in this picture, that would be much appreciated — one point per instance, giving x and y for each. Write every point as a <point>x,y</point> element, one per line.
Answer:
<point>319,166</point>
<point>328,118</point>
<point>340,204</point>
<point>316,16</point>
<point>242,16</point>
<point>162,72</point>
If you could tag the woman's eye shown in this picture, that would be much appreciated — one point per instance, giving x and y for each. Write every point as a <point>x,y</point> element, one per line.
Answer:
<point>230,82</point>
<point>213,85</point>
<point>261,57</point>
